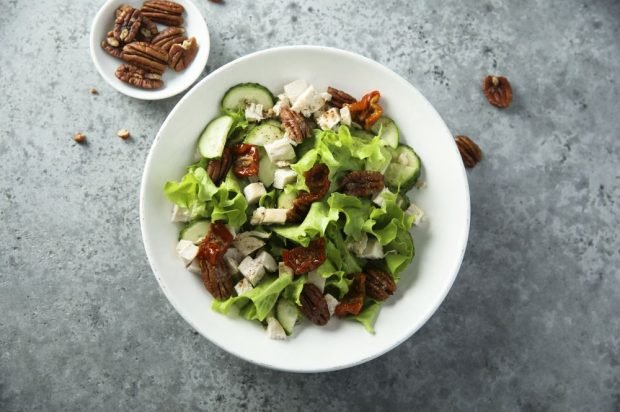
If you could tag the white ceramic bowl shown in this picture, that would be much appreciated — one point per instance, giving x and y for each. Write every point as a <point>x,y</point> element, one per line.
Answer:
<point>440,242</point>
<point>174,83</point>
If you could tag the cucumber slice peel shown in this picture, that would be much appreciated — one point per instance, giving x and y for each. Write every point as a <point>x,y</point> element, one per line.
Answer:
<point>387,129</point>
<point>213,139</point>
<point>238,96</point>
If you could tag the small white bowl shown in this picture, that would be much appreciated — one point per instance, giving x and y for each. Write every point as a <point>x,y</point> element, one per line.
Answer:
<point>174,83</point>
<point>440,242</point>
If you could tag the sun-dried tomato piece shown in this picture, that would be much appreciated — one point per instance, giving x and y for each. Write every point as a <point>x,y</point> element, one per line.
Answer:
<point>215,244</point>
<point>317,180</point>
<point>246,160</point>
<point>305,259</point>
<point>367,110</point>
<point>353,301</point>
<point>362,183</point>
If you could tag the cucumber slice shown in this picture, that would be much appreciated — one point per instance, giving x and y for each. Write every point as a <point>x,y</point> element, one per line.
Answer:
<point>361,133</point>
<point>213,138</point>
<point>266,169</point>
<point>237,97</point>
<point>285,200</point>
<point>195,231</point>
<point>388,130</point>
<point>287,314</point>
<point>264,134</point>
<point>273,122</point>
<point>404,169</point>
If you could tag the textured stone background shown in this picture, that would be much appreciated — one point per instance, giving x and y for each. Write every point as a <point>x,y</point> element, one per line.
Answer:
<point>532,322</point>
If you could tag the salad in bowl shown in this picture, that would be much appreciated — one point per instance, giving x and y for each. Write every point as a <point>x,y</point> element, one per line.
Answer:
<point>296,206</point>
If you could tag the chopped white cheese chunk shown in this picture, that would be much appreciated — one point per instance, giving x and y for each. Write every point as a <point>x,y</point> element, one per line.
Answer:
<point>180,214</point>
<point>294,89</point>
<point>253,192</point>
<point>248,244</point>
<point>345,116</point>
<point>284,270</point>
<point>284,176</point>
<point>329,119</point>
<point>254,112</point>
<point>358,246</point>
<point>332,302</point>
<point>234,254</point>
<point>263,215</point>
<point>194,267</point>
<point>373,250</point>
<point>308,102</point>
<point>268,262</point>
<point>187,251</point>
<point>274,329</point>
<point>243,286</point>
<point>232,264</point>
<point>316,279</point>
<point>326,96</point>
<point>255,233</point>
<point>280,149</point>
<point>416,212</point>
<point>252,270</point>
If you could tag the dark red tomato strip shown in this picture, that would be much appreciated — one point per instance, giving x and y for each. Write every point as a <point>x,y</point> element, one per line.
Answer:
<point>246,160</point>
<point>305,259</point>
<point>353,301</point>
<point>215,244</point>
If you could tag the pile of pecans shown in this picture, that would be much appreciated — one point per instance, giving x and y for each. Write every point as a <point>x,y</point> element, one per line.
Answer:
<point>147,52</point>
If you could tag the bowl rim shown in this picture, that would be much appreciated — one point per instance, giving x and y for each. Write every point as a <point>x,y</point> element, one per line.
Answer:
<point>438,300</point>
<point>143,94</point>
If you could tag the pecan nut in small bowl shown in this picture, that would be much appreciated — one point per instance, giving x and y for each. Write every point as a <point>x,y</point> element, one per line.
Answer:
<point>313,304</point>
<point>112,46</point>
<point>127,25</point>
<point>166,38</point>
<point>498,91</point>
<point>139,77</point>
<point>148,30</point>
<point>146,56</point>
<point>470,151</point>
<point>164,12</point>
<point>181,55</point>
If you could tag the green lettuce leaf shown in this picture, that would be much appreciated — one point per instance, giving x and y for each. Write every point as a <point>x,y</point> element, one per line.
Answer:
<point>399,253</point>
<point>355,210</point>
<point>260,300</point>
<point>368,316</point>
<point>313,225</point>
<point>293,291</point>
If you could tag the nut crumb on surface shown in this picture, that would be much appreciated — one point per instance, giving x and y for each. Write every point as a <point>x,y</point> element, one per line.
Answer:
<point>79,137</point>
<point>93,91</point>
<point>123,134</point>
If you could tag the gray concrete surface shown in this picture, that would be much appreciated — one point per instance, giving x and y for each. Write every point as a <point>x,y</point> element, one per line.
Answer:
<point>532,322</point>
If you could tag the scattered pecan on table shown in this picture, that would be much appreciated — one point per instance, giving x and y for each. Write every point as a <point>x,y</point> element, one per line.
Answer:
<point>469,150</point>
<point>339,98</point>
<point>317,181</point>
<point>362,183</point>
<point>138,77</point>
<point>379,283</point>
<point>164,12</point>
<point>305,259</point>
<point>181,55</point>
<point>498,91</point>
<point>218,168</point>
<point>313,304</point>
<point>295,125</point>
<point>146,56</point>
<point>353,301</point>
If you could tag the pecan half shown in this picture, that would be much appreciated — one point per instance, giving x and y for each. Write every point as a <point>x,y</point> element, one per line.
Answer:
<point>148,30</point>
<point>340,98</point>
<point>164,12</point>
<point>294,124</point>
<point>139,77</point>
<point>498,91</point>
<point>379,283</point>
<point>121,9</point>
<point>127,25</point>
<point>218,168</point>
<point>166,38</point>
<point>181,55</point>
<point>470,152</point>
<point>146,56</point>
<point>314,305</point>
<point>362,183</point>
<point>353,302</point>
<point>217,279</point>
<point>112,46</point>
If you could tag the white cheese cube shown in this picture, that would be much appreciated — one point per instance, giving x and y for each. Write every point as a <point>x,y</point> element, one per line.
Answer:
<point>282,102</point>
<point>326,96</point>
<point>284,270</point>
<point>329,119</point>
<point>294,89</point>
<point>255,233</point>
<point>379,199</point>
<point>284,176</point>
<point>234,254</point>
<point>258,216</point>
<point>232,264</point>
<point>280,149</point>
<point>316,279</point>
<point>268,262</point>
<point>275,216</point>
<point>194,267</point>
<point>373,250</point>
<point>308,102</point>
<point>358,246</point>
<point>253,192</point>
<point>345,116</point>
<point>243,286</point>
<point>187,251</point>
<point>415,211</point>
<point>247,244</point>
<point>254,112</point>
<point>180,214</point>
<point>332,302</point>
<point>274,329</point>
<point>252,270</point>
